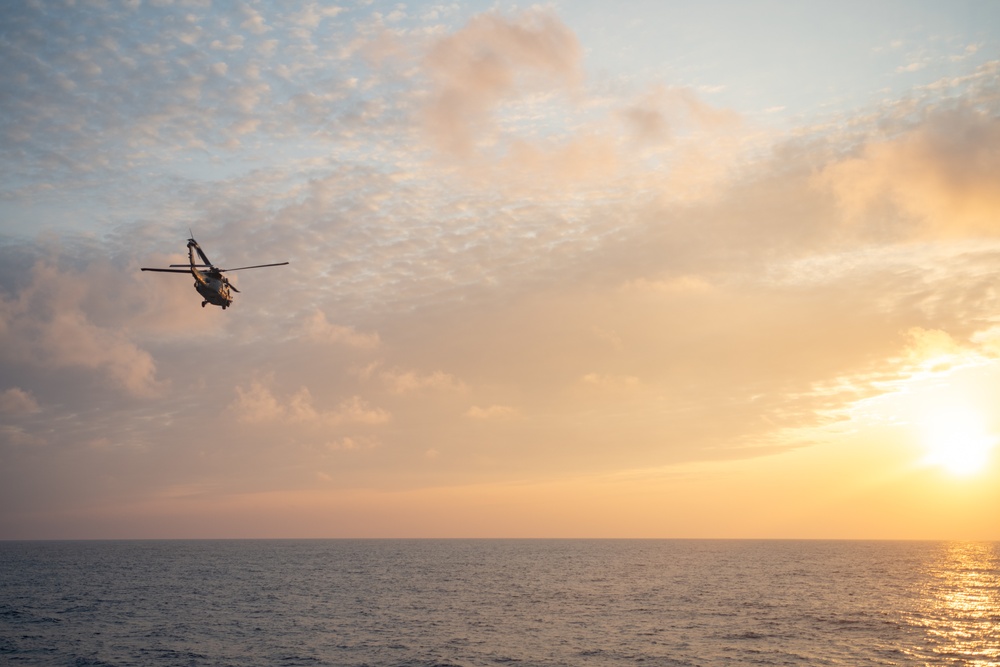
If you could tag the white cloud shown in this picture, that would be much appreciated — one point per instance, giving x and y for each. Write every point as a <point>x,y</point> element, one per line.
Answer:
<point>970,50</point>
<point>312,14</point>
<point>232,43</point>
<point>254,21</point>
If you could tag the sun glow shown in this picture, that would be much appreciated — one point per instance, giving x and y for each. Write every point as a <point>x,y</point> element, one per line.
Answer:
<point>957,440</point>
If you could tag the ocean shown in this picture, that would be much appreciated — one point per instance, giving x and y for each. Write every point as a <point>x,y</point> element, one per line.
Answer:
<point>477,603</point>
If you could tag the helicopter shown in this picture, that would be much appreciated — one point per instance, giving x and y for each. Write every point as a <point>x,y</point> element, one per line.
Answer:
<point>208,279</point>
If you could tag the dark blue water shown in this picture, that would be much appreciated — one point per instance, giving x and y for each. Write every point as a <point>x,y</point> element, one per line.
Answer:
<point>499,602</point>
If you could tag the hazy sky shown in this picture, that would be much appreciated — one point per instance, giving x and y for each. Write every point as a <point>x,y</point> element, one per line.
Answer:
<point>575,269</point>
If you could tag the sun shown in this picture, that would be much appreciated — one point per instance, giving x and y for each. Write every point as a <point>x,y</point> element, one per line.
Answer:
<point>957,440</point>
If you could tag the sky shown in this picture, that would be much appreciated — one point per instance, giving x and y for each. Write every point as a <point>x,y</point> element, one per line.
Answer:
<point>656,270</point>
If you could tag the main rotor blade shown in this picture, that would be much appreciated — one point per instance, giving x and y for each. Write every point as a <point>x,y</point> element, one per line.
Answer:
<point>255,266</point>
<point>187,271</point>
<point>201,253</point>
<point>200,266</point>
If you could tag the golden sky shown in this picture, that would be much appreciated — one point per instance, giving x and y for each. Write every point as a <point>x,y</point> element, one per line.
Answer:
<point>566,271</point>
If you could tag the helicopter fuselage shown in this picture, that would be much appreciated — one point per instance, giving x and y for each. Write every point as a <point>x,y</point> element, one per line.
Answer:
<point>210,284</point>
<point>214,290</point>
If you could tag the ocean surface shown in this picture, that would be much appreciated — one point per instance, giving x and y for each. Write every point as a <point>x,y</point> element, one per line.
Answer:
<point>470,603</point>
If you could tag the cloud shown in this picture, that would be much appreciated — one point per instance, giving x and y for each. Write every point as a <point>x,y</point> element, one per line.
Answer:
<point>493,59</point>
<point>686,284</point>
<point>233,43</point>
<point>401,382</point>
<point>15,401</point>
<point>937,351</point>
<point>613,382</point>
<point>404,382</point>
<point>970,50</point>
<point>258,405</point>
<point>665,111</point>
<point>351,444</point>
<point>47,325</point>
<point>311,15</point>
<point>19,436</point>
<point>611,337</point>
<point>317,328</point>
<point>498,79</point>
<point>942,173</point>
<point>580,158</point>
<point>253,21</point>
<point>491,412</point>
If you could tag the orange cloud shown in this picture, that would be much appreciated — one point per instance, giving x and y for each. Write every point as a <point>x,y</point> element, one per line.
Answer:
<point>16,401</point>
<point>18,436</point>
<point>582,157</point>
<point>664,111</point>
<point>48,324</point>
<point>497,81</point>
<point>492,412</point>
<point>401,382</point>
<point>258,404</point>
<point>319,329</point>
<point>614,382</point>
<point>936,351</point>
<point>491,59</point>
<point>350,444</point>
<point>943,173</point>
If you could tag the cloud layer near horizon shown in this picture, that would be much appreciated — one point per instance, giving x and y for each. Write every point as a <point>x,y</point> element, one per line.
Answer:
<point>500,270</point>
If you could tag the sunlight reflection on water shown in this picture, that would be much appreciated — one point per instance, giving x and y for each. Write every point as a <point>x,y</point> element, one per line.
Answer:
<point>962,598</point>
